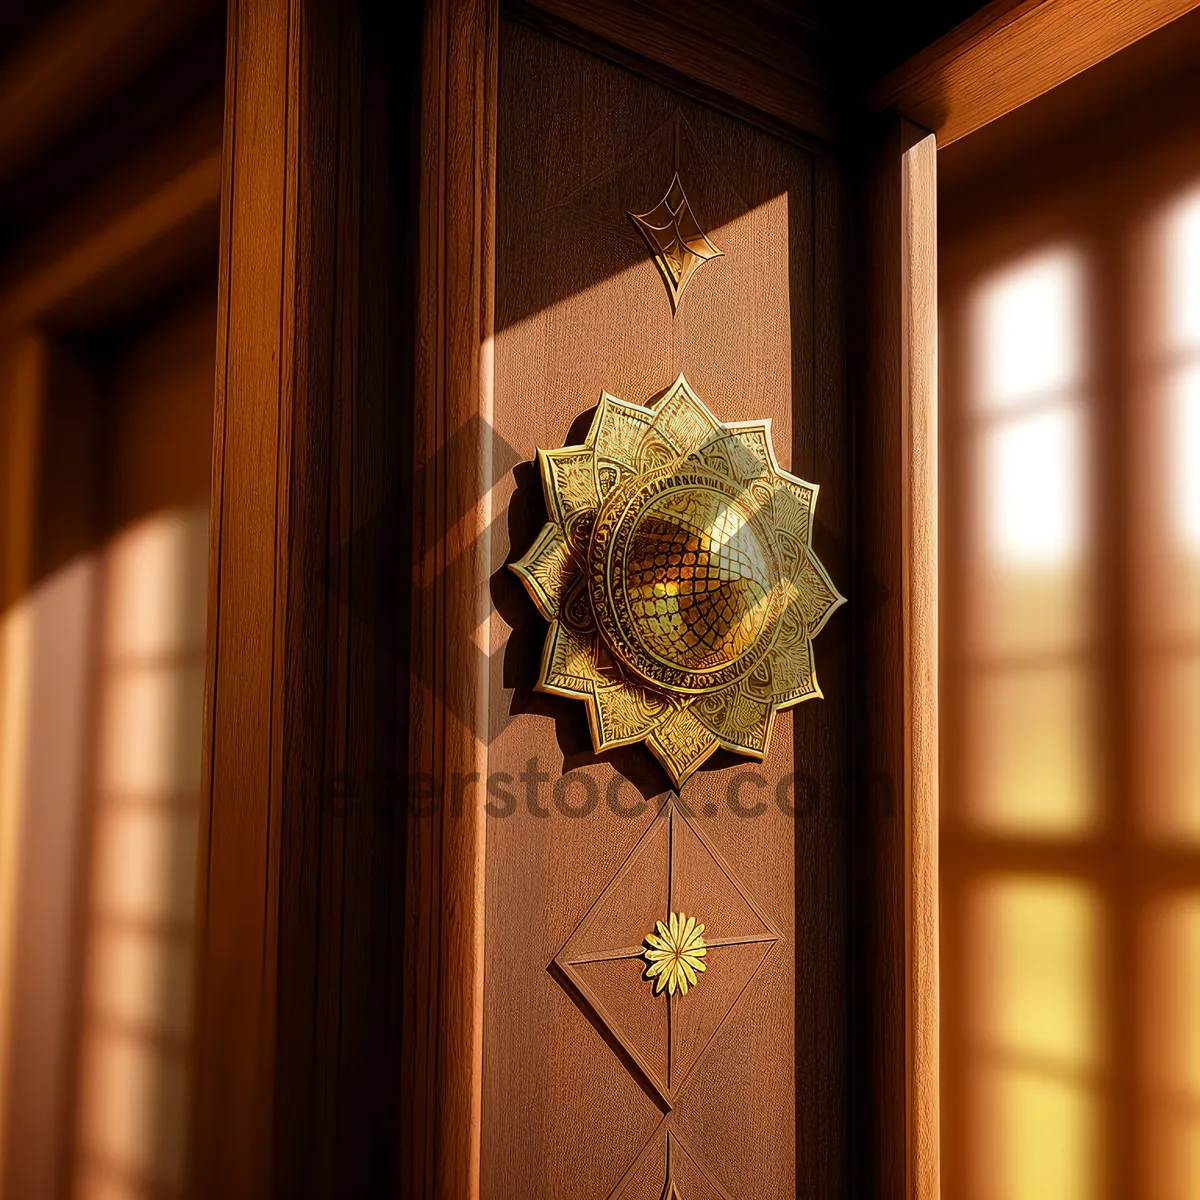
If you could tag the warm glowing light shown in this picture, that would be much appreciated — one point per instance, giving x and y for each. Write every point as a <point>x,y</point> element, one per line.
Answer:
<point>1031,483</point>
<point>137,979</point>
<point>1029,752</point>
<point>137,986</point>
<point>1029,330</point>
<point>144,865</point>
<point>150,731</point>
<point>156,572</point>
<point>131,1107</point>
<point>1042,1138</point>
<point>1182,262</point>
<point>1183,452</point>
<point>1035,963</point>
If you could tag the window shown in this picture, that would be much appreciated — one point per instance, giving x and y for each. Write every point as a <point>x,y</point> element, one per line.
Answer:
<point>1071,703</point>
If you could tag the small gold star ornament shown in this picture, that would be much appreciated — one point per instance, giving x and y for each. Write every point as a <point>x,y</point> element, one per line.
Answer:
<point>677,244</point>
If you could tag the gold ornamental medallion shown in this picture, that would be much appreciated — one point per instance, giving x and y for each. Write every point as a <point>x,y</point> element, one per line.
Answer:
<point>677,573</point>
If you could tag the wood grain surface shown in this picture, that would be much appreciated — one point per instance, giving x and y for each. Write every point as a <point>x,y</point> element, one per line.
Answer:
<point>307,682</point>
<point>1008,54</point>
<point>764,58</point>
<point>894,1000</point>
<point>580,307</point>
<point>443,995</point>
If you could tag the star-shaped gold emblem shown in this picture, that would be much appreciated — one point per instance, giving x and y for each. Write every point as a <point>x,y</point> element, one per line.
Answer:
<point>677,573</point>
<point>677,243</point>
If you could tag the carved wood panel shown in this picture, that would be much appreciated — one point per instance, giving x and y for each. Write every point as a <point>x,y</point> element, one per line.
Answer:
<point>595,1083</point>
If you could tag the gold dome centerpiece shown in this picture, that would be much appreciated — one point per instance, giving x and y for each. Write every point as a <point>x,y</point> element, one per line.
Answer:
<point>677,573</point>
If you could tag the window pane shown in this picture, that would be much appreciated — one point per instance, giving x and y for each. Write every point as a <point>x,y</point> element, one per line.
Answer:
<point>1029,753</point>
<point>1036,970</point>
<point>1028,329</point>
<point>1182,263</point>
<point>1040,1137</point>
<point>1034,1039</point>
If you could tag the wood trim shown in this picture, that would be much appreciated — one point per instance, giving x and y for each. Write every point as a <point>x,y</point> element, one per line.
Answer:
<point>1009,53</point>
<point>754,58</point>
<point>443,1003</point>
<point>897,983</point>
<point>919,412</point>
<point>301,900</point>
<point>23,368</point>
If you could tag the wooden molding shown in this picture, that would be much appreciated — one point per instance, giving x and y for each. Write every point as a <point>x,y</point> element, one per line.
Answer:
<point>919,413</point>
<point>752,58</point>
<point>1009,53</point>
<point>302,855</point>
<point>23,368</point>
<point>898,716</point>
<point>443,1001</point>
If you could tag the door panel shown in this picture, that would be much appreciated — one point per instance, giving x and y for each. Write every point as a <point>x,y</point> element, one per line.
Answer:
<point>590,1080</point>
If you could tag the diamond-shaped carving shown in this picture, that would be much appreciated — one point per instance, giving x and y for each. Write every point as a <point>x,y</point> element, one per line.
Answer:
<point>665,1157</point>
<point>679,246</point>
<point>672,868</point>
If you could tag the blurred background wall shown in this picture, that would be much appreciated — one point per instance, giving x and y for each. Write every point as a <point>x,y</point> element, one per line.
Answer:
<point>1070,359</point>
<point>110,147</point>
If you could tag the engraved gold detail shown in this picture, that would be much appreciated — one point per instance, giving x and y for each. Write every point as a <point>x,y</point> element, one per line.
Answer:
<point>675,954</point>
<point>678,577</point>
<point>678,244</point>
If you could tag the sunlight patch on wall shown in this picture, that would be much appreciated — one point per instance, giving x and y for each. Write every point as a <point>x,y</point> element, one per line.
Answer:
<point>1033,511</point>
<point>1040,1137</point>
<point>156,585</point>
<point>138,948</point>
<point>1038,961</point>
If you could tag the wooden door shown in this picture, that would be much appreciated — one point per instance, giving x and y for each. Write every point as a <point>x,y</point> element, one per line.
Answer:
<point>593,1084</point>
<point>405,839</point>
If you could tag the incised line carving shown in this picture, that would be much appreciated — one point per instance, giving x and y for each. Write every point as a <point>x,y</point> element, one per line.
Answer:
<point>673,859</point>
